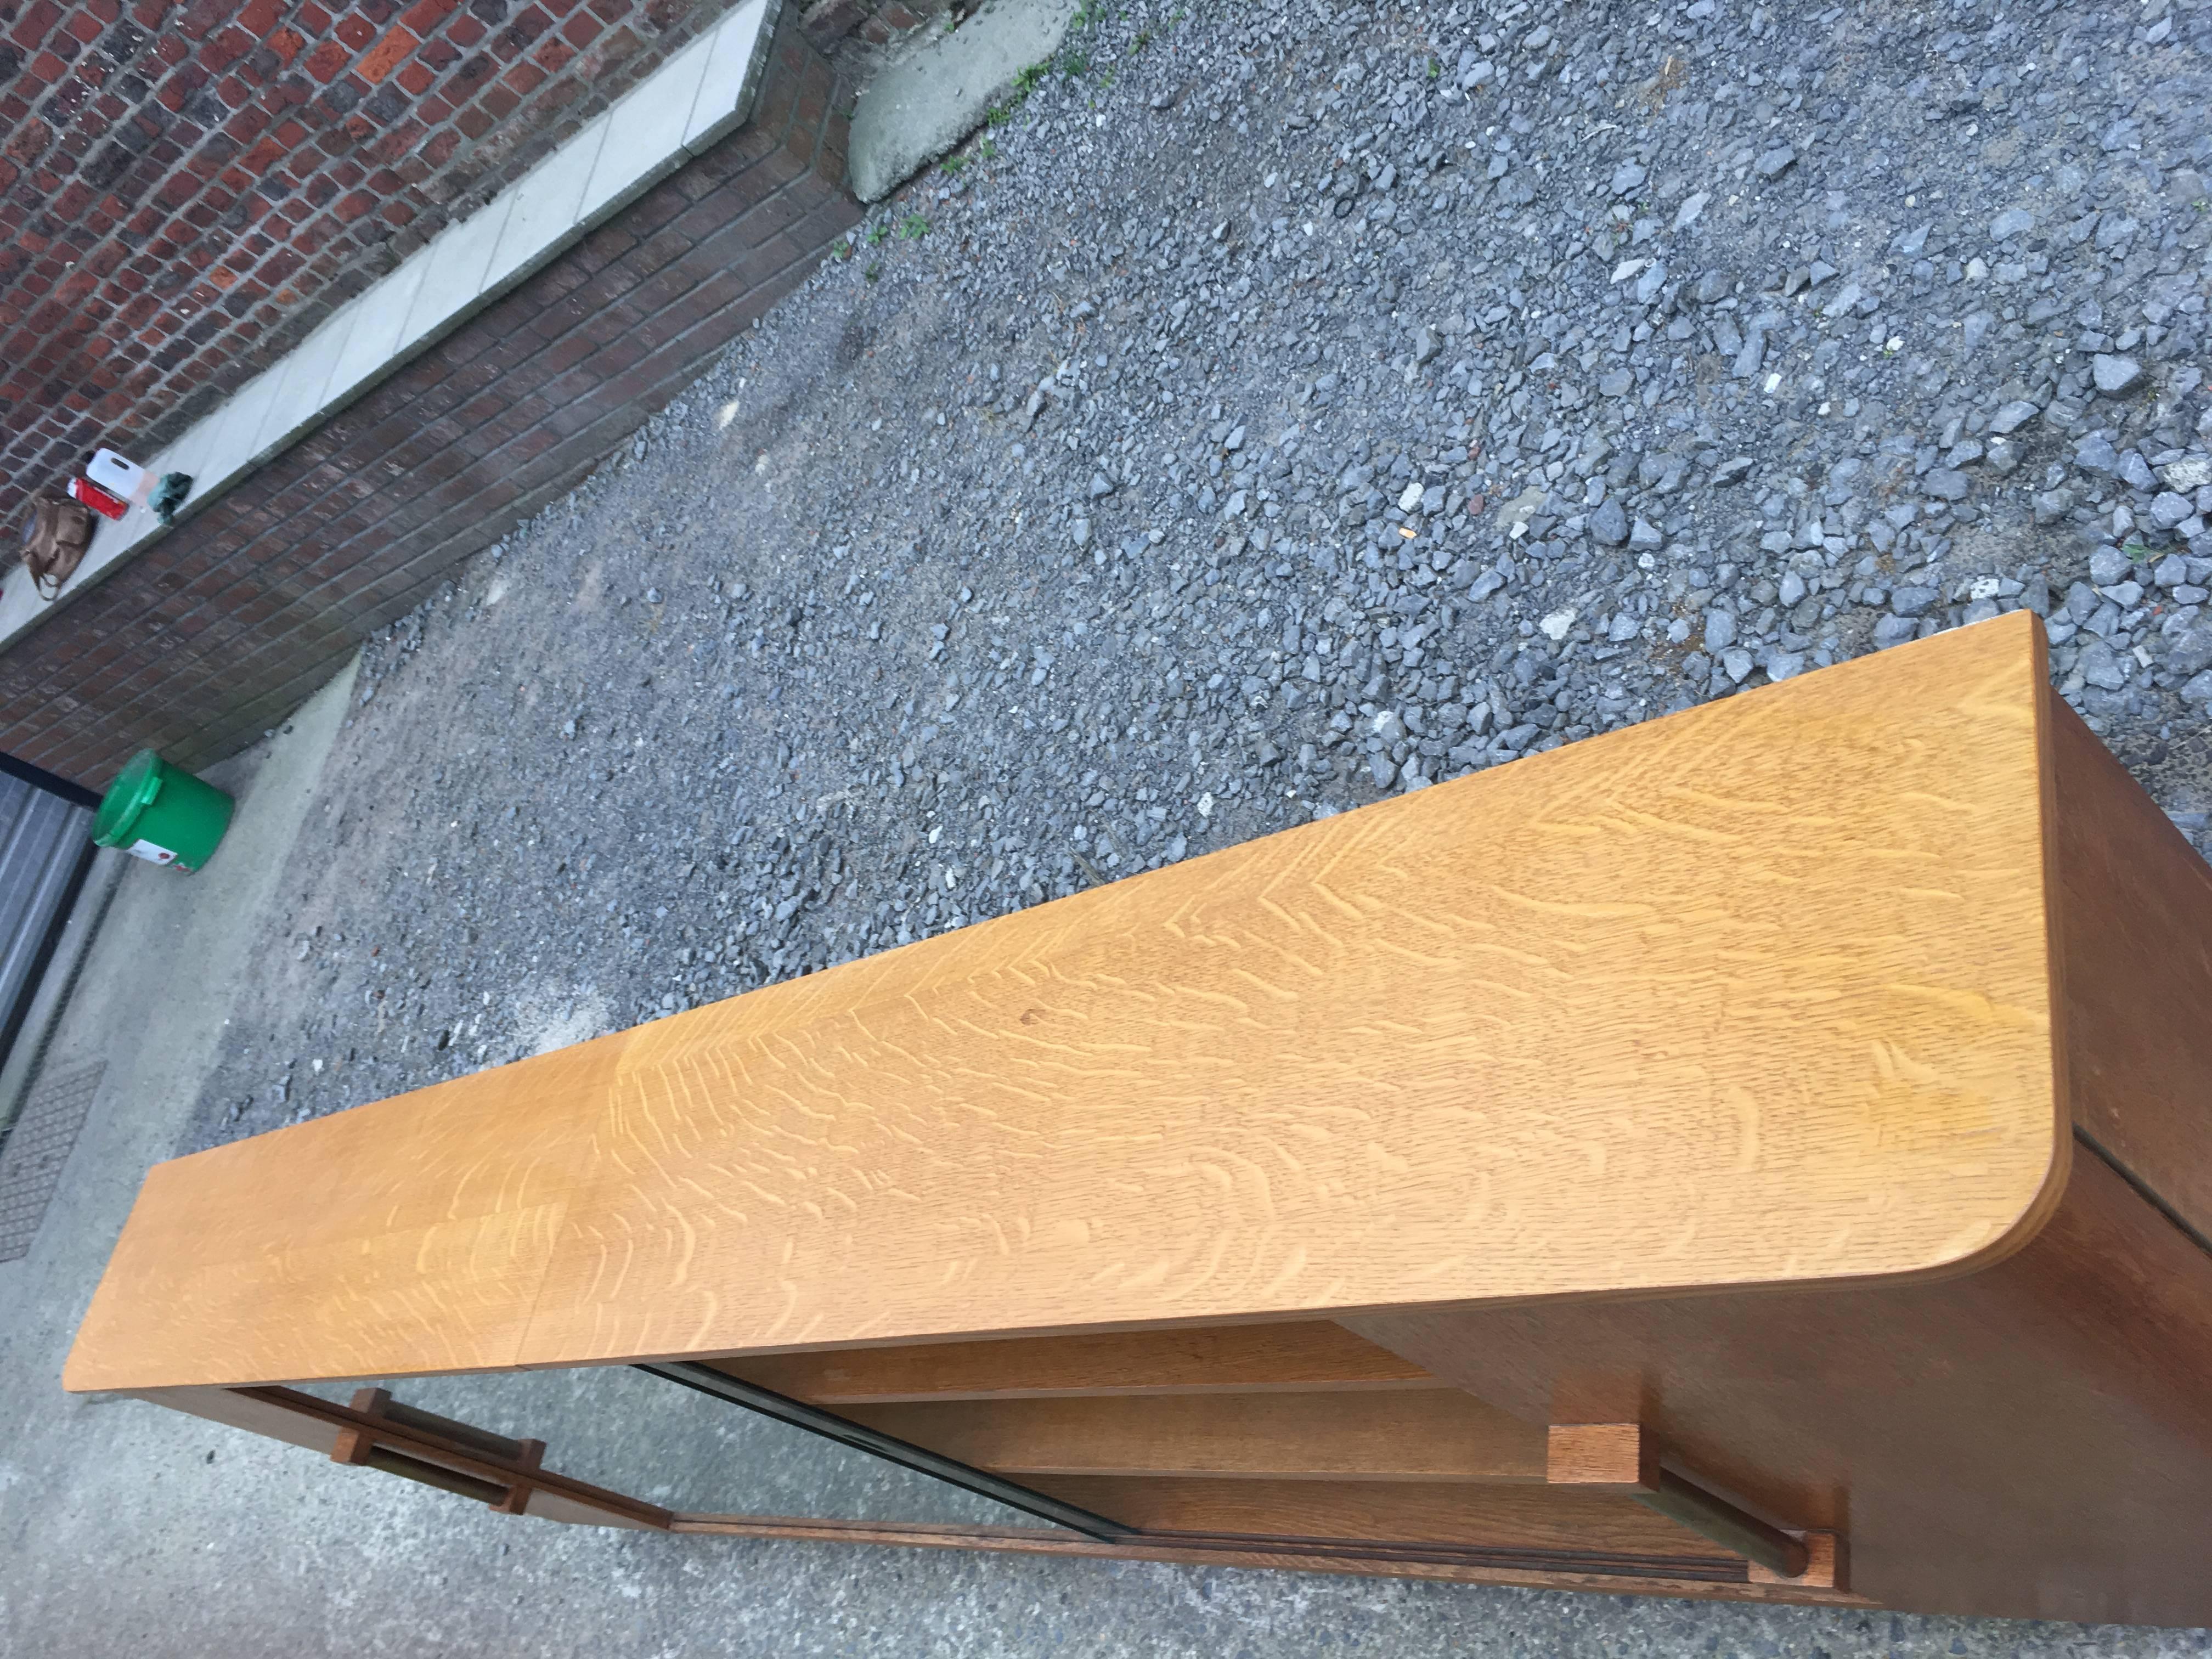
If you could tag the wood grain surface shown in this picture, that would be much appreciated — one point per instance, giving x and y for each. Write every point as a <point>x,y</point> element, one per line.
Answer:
<point>1309,1355</point>
<point>1619,1457</point>
<point>1758,994</point>
<point>1432,1434</point>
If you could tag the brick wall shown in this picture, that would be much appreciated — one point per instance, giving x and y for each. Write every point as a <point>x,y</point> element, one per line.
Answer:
<point>873,23</point>
<point>225,625</point>
<point>187,189</point>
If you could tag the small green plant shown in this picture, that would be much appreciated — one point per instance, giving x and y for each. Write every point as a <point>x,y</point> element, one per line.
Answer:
<point>914,228</point>
<point>1144,38</point>
<point>877,232</point>
<point>988,149</point>
<point>844,249</point>
<point>952,164</point>
<point>875,270</point>
<point>1025,83</point>
<point>1075,64</point>
<point>1435,69</point>
<point>2137,551</point>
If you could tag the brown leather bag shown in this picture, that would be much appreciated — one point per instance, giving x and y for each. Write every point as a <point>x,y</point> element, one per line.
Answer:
<point>55,538</point>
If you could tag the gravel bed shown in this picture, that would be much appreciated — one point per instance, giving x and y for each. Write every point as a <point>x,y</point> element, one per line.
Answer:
<point>1276,408</point>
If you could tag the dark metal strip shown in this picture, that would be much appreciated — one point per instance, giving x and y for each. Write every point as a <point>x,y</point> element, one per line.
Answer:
<point>1716,1518</point>
<point>1700,1568</point>
<point>831,1427</point>
<point>39,778</point>
<point>1706,1569</point>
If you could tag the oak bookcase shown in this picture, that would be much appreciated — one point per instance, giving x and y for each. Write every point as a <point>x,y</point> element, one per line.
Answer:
<point>1761,1154</point>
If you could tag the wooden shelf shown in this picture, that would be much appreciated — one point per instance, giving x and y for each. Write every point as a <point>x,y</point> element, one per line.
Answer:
<point>1314,1355</point>
<point>1436,1434</point>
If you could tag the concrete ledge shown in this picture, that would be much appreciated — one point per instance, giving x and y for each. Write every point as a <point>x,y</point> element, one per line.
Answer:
<point>918,110</point>
<point>684,109</point>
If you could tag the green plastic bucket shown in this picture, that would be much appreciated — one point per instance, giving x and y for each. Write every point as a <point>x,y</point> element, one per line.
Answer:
<point>163,813</point>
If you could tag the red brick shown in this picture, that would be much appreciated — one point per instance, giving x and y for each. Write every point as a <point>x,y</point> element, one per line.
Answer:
<point>828,21</point>
<point>387,54</point>
<point>226,48</point>
<point>37,21</point>
<point>497,102</point>
<point>327,60</point>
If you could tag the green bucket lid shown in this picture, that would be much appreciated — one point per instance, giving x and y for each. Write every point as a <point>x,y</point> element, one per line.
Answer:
<point>132,793</point>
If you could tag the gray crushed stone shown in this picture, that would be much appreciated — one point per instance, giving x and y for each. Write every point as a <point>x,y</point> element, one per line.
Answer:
<point>1285,405</point>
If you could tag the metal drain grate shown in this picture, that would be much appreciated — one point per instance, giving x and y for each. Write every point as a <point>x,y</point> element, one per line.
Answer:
<point>36,1148</point>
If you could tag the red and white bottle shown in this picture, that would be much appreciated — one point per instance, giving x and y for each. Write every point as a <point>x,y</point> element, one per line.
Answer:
<point>99,501</point>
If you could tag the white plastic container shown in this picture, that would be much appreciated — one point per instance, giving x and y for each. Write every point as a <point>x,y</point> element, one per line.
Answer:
<point>125,480</point>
